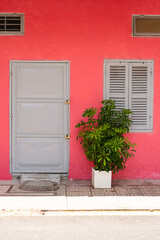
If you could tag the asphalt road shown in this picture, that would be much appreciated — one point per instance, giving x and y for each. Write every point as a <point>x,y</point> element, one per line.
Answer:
<point>80,227</point>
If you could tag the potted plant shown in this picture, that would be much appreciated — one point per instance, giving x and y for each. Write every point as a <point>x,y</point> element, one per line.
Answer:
<point>104,142</point>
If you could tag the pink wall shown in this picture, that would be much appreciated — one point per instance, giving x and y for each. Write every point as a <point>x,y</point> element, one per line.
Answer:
<point>85,32</point>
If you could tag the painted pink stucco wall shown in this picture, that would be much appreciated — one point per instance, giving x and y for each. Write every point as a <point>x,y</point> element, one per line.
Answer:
<point>85,32</point>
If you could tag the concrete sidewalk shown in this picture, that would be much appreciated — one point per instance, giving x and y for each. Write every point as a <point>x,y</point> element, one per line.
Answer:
<point>80,195</point>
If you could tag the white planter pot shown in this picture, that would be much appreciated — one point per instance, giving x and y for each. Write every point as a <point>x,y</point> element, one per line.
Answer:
<point>101,179</point>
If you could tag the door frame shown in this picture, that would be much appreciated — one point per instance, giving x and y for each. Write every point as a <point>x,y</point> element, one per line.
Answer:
<point>11,62</point>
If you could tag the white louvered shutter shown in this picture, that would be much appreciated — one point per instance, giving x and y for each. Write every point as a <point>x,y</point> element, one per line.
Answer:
<point>130,84</point>
<point>116,83</point>
<point>140,95</point>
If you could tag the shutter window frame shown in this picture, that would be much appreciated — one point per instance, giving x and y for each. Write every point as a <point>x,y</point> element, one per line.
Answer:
<point>6,22</point>
<point>144,113</point>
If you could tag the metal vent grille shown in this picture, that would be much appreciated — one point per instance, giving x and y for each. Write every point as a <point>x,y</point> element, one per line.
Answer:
<point>146,25</point>
<point>11,24</point>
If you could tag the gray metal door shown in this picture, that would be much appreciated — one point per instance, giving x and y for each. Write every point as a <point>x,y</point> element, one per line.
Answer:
<point>39,117</point>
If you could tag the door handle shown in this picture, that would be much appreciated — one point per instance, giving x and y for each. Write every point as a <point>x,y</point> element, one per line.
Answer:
<point>67,101</point>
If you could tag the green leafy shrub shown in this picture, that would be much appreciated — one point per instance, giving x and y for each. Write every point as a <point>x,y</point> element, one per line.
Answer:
<point>102,138</point>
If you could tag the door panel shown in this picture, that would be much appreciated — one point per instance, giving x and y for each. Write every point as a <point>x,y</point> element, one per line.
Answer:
<point>38,83</point>
<point>40,117</point>
<point>33,152</point>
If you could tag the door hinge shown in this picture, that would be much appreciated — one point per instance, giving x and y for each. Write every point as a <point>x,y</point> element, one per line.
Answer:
<point>11,160</point>
<point>11,73</point>
<point>67,101</point>
<point>11,116</point>
<point>67,136</point>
